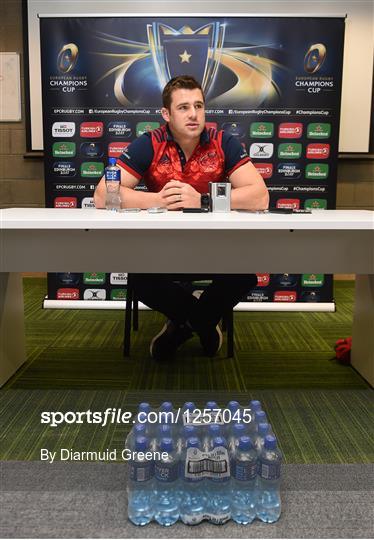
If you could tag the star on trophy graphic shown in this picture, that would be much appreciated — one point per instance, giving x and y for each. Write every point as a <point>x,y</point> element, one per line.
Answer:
<point>186,52</point>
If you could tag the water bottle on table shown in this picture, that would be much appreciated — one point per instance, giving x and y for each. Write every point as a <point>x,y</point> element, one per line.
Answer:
<point>218,489</point>
<point>269,503</point>
<point>243,482</point>
<point>112,184</point>
<point>140,485</point>
<point>193,500</point>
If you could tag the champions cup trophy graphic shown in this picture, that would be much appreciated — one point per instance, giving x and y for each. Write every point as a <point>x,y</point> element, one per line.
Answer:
<point>186,52</point>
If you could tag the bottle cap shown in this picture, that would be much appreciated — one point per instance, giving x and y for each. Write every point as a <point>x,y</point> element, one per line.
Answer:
<point>233,406</point>
<point>189,431</point>
<point>211,405</point>
<point>193,442</point>
<point>214,430</point>
<point>141,444</point>
<point>189,405</point>
<point>245,443</point>
<point>270,442</point>
<point>255,405</point>
<point>144,407</point>
<point>238,429</point>
<point>260,417</point>
<point>112,161</point>
<point>166,444</point>
<point>166,406</point>
<point>219,441</point>
<point>139,429</point>
<point>263,429</point>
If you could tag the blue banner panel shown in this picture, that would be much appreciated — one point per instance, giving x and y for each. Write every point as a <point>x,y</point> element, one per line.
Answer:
<point>272,82</point>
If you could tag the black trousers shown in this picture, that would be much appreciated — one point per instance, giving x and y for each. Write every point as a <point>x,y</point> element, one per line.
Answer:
<point>171,294</point>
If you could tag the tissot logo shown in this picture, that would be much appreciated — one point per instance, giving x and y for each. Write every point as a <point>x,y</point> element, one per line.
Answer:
<point>92,278</point>
<point>289,170</point>
<point>312,280</point>
<point>115,149</point>
<point>292,204</point>
<point>120,129</point>
<point>265,169</point>
<point>92,169</point>
<point>91,130</point>
<point>234,128</point>
<point>91,149</point>
<point>315,204</point>
<point>285,296</point>
<point>261,150</point>
<point>286,280</point>
<point>289,130</point>
<point>63,129</point>
<point>67,294</point>
<point>65,202</point>
<point>261,130</point>
<point>118,294</point>
<point>63,149</point>
<point>317,170</point>
<point>64,168</point>
<point>263,280</point>
<point>317,151</point>
<point>319,131</point>
<point>118,278</point>
<point>94,294</point>
<point>145,127</point>
<point>289,150</point>
<point>88,202</point>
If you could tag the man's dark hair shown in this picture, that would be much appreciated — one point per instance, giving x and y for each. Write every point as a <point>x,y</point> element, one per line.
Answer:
<point>182,81</point>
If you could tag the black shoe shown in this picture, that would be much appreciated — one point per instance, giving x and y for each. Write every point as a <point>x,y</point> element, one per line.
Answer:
<point>210,338</point>
<point>165,344</point>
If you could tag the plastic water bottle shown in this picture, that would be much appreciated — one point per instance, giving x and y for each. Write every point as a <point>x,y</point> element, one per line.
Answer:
<point>237,431</point>
<point>193,499</point>
<point>254,406</point>
<point>112,184</point>
<point>212,431</point>
<point>218,491</point>
<point>243,482</point>
<point>186,433</point>
<point>167,485</point>
<point>260,418</point>
<point>263,429</point>
<point>269,502</point>
<point>162,432</point>
<point>140,485</point>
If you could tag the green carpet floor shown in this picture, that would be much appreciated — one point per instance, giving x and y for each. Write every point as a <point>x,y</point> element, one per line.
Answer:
<point>322,412</point>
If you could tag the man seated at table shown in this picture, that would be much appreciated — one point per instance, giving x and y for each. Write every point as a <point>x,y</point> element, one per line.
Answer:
<point>176,162</point>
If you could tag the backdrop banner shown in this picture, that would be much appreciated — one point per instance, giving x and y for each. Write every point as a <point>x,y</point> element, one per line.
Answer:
<point>272,82</point>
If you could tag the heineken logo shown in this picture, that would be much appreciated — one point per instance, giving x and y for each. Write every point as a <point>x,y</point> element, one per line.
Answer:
<point>319,131</point>
<point>90,278</point>
<point>261,130</point>
<point>315,204</point>
<point>63,149</point>
<point>145,127</point>
<point>289,150</point>
<point>312,280</point>
<point>92,169</point>
<point>317,170</point>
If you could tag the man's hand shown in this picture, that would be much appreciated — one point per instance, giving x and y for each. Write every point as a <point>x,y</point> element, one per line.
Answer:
<point>176,195</point>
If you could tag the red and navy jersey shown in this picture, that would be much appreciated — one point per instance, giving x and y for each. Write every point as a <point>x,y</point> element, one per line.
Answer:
<point>157,158</point>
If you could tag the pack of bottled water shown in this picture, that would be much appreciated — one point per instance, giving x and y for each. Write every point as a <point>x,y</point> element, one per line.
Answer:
<point>194,464</point>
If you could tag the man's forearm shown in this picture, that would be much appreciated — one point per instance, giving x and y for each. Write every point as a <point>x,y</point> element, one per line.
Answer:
<point>250,198</point>
<point>129,198</point>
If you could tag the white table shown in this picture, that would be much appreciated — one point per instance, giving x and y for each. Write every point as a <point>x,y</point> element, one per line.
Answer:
<point>54,240</point>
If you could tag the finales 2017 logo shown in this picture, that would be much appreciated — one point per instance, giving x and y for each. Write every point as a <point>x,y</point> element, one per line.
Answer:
<point>314,57</point>
<point>67,58</point>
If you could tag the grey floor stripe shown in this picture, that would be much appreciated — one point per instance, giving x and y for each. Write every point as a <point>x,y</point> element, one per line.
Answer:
<point>66,500</point>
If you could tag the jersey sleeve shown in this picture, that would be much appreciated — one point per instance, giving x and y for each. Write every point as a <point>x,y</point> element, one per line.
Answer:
<point>137,157</point>
<point>235,154</point>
